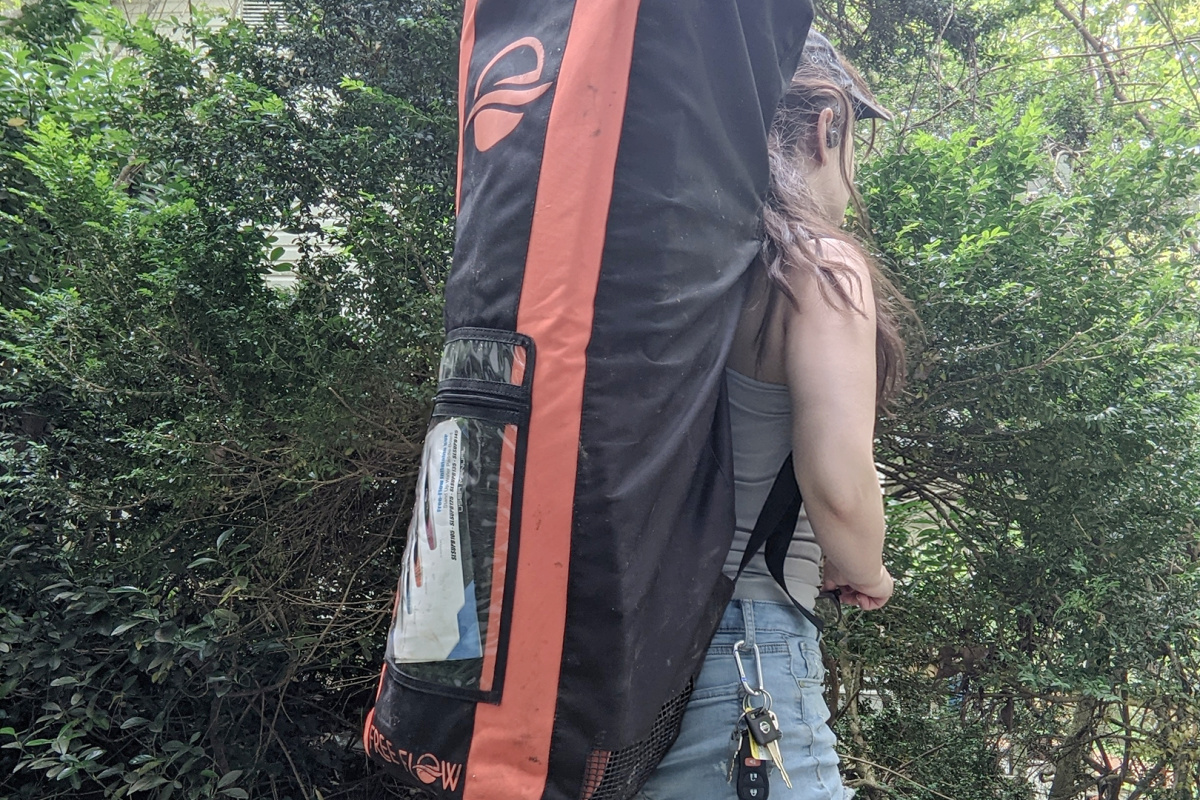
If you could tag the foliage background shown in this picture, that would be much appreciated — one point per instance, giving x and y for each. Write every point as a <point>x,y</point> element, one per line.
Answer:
<point>204,482</point>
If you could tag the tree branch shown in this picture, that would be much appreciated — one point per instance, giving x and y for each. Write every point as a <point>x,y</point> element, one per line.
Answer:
<point>1101,51</point>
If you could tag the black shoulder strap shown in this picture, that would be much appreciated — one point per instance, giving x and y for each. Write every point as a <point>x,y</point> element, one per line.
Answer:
<point>774,528</point>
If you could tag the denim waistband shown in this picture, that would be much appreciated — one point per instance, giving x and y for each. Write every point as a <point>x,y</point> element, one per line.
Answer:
<point>760,620</point>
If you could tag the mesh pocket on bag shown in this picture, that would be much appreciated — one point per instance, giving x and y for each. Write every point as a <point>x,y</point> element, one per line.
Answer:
<point>619,774</point>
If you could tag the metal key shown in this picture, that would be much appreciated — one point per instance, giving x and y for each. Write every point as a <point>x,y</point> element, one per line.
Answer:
<point>762,727</point>
<point>748,720</point>
<point>737,737</point>
<point>773,748</point>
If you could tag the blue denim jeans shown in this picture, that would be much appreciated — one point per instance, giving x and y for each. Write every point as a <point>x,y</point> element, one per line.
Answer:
<point>697,764</point>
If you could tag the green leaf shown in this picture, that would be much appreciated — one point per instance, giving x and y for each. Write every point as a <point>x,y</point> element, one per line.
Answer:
<point>229,777</point>
<point>147,782</point>
<point>125,626</point>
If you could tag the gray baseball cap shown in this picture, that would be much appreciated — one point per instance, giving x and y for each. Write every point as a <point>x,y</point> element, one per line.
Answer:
<point>820,53</point>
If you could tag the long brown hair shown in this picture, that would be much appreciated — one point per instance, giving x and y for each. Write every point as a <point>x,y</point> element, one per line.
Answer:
<point>794,227</point>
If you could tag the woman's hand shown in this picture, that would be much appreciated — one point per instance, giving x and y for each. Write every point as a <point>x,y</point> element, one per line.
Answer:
<point>868,597</point>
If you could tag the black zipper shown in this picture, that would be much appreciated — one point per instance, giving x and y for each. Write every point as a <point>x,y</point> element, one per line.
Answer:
<point>477,399</point>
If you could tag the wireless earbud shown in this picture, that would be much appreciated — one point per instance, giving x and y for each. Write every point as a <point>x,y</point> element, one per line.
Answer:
<point>833,138</point>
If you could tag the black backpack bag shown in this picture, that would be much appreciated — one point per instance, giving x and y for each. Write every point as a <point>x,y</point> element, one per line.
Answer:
<point>563,570</point>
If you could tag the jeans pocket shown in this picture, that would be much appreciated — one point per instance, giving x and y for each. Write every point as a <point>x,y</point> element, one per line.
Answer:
<point>807,667</point>
<point>718,677</point>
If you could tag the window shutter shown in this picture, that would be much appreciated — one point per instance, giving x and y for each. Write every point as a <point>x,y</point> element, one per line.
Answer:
<point>256,12</point>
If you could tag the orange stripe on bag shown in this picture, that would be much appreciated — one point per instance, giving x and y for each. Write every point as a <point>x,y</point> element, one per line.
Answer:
<point>510,750</point>
<point>371,714</point>
<point>508,463</point>
<point>465,50</point>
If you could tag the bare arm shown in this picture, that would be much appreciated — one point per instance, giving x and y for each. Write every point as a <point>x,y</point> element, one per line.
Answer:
<point>830,362</point>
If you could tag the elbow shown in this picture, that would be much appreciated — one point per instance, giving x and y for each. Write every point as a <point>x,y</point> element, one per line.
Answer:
<point>851,515</point>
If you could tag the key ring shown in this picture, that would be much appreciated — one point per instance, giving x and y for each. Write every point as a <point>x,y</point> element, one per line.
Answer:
<point>747,706</point>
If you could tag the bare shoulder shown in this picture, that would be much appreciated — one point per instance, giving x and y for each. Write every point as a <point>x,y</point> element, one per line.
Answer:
<point>842,253</point>
<point>846,267</point>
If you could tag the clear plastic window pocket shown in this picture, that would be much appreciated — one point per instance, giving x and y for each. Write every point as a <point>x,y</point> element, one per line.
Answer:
<point>449,630</point>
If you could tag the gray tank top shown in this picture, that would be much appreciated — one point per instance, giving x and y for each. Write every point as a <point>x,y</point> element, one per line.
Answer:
<point>761,419</point>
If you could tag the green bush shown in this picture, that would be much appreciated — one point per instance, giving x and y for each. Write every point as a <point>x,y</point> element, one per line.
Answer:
<point>927,757</point>
<point>1043,463</point>
<point>202,479</point>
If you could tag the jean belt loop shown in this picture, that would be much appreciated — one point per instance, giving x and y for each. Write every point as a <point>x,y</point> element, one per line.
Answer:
<point>748,622</point>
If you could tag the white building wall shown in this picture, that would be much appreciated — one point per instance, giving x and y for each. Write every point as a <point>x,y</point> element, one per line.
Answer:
<point>166,9</point>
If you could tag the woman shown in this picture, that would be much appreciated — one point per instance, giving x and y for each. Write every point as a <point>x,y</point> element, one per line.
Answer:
<point>815,353</point>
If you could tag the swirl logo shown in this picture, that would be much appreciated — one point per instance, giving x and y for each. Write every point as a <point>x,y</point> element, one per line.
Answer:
<point>427,768</point>
<point>495,113</point>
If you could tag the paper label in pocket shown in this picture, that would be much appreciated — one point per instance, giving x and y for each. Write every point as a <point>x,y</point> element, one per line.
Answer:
<point>437,616</point>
